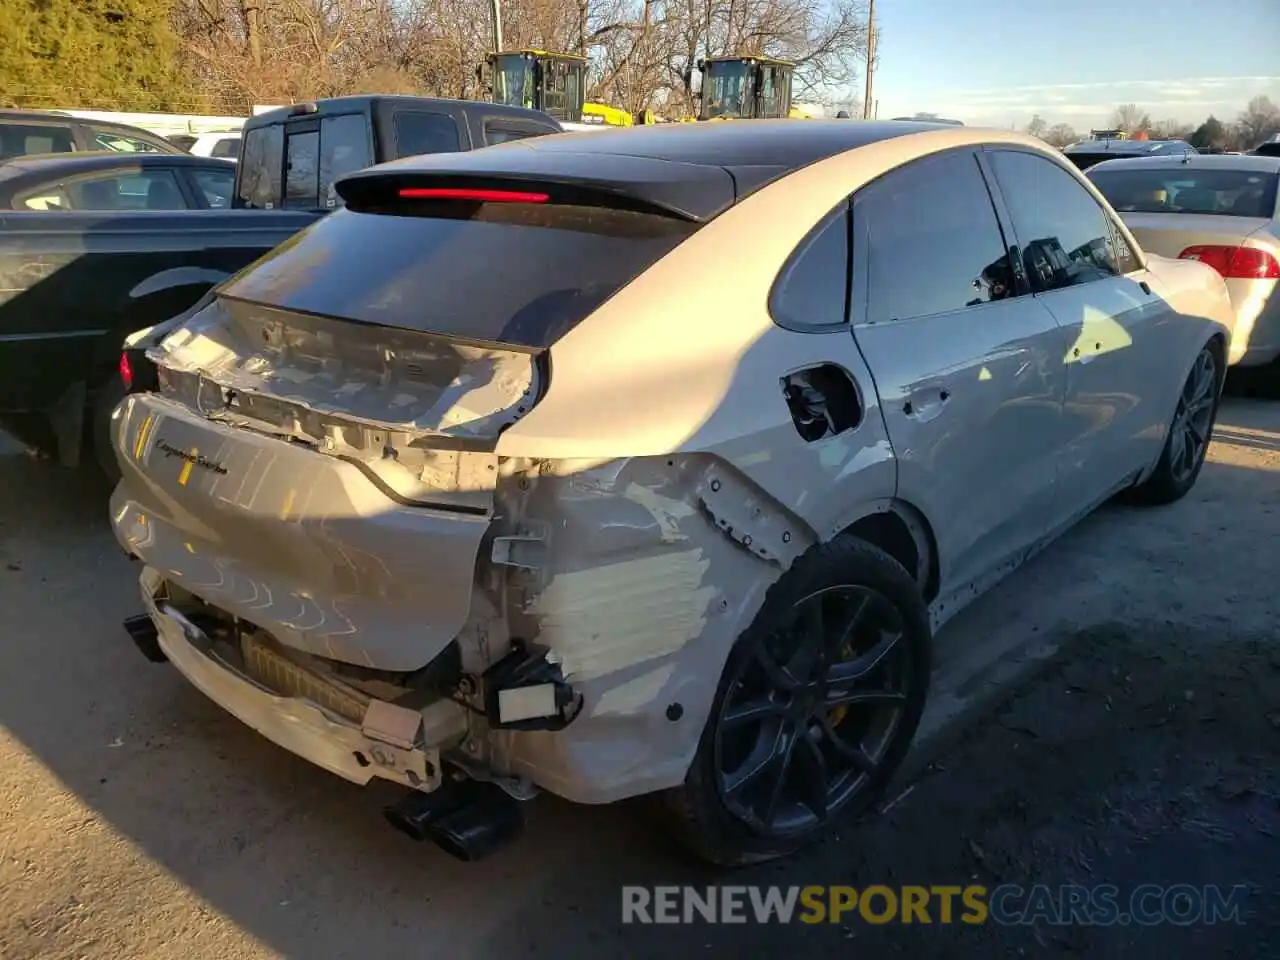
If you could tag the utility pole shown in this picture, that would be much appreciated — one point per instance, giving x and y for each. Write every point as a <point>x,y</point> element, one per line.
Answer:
<point>871,57</point>
<point>497,25</point>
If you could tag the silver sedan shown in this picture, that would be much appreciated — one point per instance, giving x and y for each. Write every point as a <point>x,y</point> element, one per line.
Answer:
<point>648,461</point>
<point>1220,210</point>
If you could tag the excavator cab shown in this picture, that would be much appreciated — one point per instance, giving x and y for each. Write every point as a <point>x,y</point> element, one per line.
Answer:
<point>740,88</point>
<point>554,83</point>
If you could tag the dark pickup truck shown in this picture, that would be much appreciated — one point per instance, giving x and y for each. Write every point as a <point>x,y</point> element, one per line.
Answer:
<point>93,248</point>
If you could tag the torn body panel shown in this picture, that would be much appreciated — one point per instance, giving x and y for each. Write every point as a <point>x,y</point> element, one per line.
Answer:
<point>644,573</point>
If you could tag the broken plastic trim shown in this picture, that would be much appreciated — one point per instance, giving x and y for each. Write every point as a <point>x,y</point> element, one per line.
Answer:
<point>525,691</point>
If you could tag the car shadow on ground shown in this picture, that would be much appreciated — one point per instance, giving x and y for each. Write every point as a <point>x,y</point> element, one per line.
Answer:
<point>304,863</point>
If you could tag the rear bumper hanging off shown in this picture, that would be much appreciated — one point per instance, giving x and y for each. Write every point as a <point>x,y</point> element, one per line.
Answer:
<point>392,743</point>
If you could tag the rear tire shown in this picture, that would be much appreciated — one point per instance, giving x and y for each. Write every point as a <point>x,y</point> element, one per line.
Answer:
<point>842,636</point>
<point>1190,432</point>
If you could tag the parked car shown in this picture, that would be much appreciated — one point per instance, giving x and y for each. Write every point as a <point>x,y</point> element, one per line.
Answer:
<point>24,132</point>
<point>1085,153</point>
<point>98,246</point>
<point>1220,210</point>
<point>94,246</point>
<point>674,507</point>
<point>225,145</point>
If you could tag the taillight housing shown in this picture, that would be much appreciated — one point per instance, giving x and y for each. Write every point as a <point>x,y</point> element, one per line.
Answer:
<point>1235,263</point>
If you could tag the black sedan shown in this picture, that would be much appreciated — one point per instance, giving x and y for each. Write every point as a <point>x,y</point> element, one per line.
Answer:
<point>112,181</point>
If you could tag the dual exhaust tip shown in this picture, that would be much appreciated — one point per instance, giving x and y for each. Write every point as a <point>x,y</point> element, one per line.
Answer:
<point>467,819</point>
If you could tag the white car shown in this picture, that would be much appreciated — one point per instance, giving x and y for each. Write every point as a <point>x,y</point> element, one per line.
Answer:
<point>224,145</point>
<point>647,461</point>
<point>1221,210</point>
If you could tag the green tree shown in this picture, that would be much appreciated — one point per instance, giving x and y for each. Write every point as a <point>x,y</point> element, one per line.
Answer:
<point>1210,135</point>
<point>93,54</point>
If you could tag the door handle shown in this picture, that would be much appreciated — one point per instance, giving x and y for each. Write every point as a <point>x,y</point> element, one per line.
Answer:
<point>913,409</point>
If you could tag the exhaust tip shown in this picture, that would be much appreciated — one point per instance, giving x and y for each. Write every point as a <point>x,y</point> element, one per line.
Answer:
<point>142,631</point>
<point>468,821</point>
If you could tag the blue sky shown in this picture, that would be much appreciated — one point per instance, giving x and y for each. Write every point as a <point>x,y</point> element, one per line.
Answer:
<point>996,62</point>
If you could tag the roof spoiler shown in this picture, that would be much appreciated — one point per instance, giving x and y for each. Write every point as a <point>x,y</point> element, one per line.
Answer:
<point>394,189</point>
<point>588,177</point>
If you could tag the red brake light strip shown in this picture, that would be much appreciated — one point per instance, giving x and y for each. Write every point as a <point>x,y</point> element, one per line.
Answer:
<point>472,195</point>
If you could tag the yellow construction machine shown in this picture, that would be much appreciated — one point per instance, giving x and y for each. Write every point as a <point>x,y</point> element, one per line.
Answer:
<point>555,83</point>
<point>746,88</point>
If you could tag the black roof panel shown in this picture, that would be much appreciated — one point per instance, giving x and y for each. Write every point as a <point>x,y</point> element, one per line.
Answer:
<point>694,169</point>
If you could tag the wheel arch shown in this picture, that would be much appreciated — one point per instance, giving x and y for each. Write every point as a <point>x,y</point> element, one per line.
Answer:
<point>903,531</point>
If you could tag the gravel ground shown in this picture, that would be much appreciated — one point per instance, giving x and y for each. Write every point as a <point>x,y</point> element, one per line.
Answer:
<point>1108,715</point>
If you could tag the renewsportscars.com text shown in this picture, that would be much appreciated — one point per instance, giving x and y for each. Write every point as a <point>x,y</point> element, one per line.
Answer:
<point>1008,904</point>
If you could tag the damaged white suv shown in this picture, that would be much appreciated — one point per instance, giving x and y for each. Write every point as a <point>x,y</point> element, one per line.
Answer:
<point>645,462</point>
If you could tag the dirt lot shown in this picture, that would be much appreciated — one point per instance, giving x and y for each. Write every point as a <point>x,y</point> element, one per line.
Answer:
<point>1111,714</point>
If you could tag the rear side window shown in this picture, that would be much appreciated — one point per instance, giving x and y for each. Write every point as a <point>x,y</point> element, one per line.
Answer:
<point>20,140</point>
<point>418,132</point>
<point>122,143</point>
<point>152,189</point>
<point>227,148</point>
<point>261,167</point>
<point>436,273</point>
<point>813,289</point>
<point>216,186</point>
<point>934,244</point>
<point>499,132</point>
<point>1178,188</point>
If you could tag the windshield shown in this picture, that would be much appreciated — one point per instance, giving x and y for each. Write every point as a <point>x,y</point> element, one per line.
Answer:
<point>728,89</point>
<point>1177,189</point>
<point>513,81</point>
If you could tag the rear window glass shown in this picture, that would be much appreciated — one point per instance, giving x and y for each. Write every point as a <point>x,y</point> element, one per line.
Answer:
<point>507,273</point>
<point>418,132</point>
<point>20,140</point>
<point>261,167</point>
<point>1178,188</point>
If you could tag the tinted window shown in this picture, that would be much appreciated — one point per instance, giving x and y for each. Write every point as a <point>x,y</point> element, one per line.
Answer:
<point>344,148</point>
<point>260,167</point>
<point>20,140</point>
<point>108,140</point>
<point>418,133</point>
<point>435,274</point>
<point>1176,188</point>
<point>502,133</point>
<point>813,289</point>
<point>227,148</point>
<point>134,190</point>
<point>1063,233</point>
<point>216,186</point>
<point>302,171</point>
<point>183,141</point>
<point>934,244</point>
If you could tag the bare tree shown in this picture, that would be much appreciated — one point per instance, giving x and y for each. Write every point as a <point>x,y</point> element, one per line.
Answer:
<point>1060,135</point>
<point>1259,121</point>
<point>643,53</point>
<point>1037,127</point>
<point>1129,118</point>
